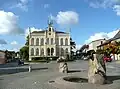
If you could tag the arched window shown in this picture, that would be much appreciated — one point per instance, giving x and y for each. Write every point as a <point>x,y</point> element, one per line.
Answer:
<point>61,41</point>
<point>51,41</point>
<point>57,41</point>
<point>62,52</point>
<point>37,41</point>
<point>32,41</point>
<point>42,41</point>
<point>57,51</point>
<point>42,52</point>
<point>66,51</point>
<point>52,51</point>
<point>37,51</point>
<point>66,41</point>
<point>47,41</point>
<point>32,52</point>
<point>48,51</point>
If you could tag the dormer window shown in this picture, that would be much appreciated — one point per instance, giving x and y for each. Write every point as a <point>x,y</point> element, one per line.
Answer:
<point>49,29</point>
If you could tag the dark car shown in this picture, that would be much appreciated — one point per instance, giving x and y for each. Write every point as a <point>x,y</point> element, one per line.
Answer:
<point>20,62</point>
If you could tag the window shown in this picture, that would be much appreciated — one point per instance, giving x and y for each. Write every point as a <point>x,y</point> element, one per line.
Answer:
<point>57,41</point>
<point>52,51</point>
<point>32,52</point>
<point>62,52</point>
<point>37,52</point>
<point>42,41</point>
<point>49,29</point>
<point>48,51</point>
<point>61,41</point>
<point>37,41</point>
<point>101,42</point>
<point>42,52</point>
<point>47,40</point>
<point>66,51</point>
<point>51,41</point>
<point>57,51</point>
<point>32,41</point>
<point>66,41</point>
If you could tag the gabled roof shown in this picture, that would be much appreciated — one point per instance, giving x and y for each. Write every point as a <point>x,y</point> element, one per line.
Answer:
<point>46,30</point>
<point>83,47</point>
<point>39,31</point>
<point>96,40</point>
<point>117,36</point>
<point>60,32</point>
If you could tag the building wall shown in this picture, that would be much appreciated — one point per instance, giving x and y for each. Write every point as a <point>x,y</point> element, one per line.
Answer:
<point>93,45</point>
<point>2,58</point>
<point>56,44</point>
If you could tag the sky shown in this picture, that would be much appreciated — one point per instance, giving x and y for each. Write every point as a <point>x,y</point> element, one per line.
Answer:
<point>87,20</point>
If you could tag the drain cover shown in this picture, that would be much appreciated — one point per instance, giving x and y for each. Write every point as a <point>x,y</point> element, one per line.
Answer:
<point>75,79</point>
<point>52,81</point>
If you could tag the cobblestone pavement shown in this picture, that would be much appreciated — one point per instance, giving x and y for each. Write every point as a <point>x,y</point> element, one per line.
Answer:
<point>43,73</point>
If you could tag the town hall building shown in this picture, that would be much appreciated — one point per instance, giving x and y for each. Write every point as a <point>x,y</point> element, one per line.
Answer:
<point>49,43</point>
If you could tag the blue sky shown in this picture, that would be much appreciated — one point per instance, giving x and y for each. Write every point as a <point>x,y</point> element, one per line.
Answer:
<point>88,19</point>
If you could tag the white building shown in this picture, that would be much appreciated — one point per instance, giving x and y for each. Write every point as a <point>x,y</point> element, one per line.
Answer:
<point>49,43</point>
<point>94,44</point>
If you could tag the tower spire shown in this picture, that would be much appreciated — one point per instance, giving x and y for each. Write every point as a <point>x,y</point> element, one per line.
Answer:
<point>29,32</point>
<point>69,30</point>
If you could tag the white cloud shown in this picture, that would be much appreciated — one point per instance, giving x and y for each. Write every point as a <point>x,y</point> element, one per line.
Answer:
<point>114,4</point>
<point>116,8</point>
<point>14,43</point>
<point>67,18</point>
<point>15,46</point>
<point>46,6</point>
<point>101,35</point>
<point>32,29</point>
<point>103,3</point>
<point>2,42</point>
<point>14,49</point>
<point>94,5</point>
<point>22,4</point>
<point>78,46</point>
<point>9,23</point>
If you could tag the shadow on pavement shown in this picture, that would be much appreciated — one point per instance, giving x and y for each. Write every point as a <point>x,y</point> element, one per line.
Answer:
<point>73,71</point>
<point>18,70</point>
<point>110,79</point>
<point>11,65</point>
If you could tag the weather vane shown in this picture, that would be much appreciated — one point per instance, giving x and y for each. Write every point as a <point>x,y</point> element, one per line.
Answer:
<point>50,21</point>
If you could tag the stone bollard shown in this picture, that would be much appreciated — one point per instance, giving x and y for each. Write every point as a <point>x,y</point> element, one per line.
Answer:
<point>96,71</point>
<point>30,68</point>
<point>63,68</point>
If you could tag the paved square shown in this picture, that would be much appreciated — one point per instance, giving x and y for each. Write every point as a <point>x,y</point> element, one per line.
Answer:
<point>20,78</point>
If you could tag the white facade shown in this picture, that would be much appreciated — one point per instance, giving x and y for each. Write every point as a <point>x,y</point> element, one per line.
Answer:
<point>49,43</point>
<point>93,45</point>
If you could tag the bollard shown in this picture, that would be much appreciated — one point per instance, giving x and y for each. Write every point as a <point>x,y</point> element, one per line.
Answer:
<point>30,68</point>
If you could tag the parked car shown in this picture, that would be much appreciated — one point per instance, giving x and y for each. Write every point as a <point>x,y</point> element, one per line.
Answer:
<point>107,59</point>
<point>20,62</point>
